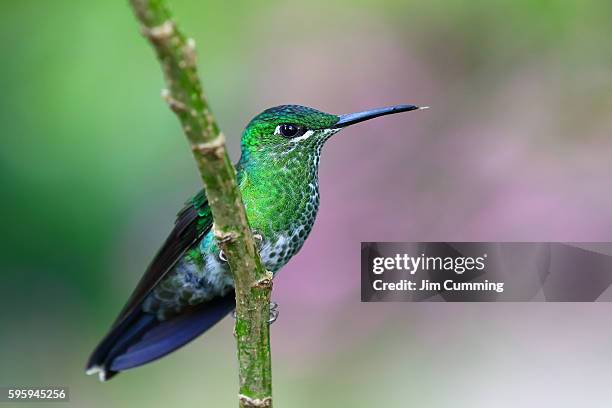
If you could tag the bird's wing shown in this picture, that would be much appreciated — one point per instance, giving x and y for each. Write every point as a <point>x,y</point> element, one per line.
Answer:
<point>192,222</point>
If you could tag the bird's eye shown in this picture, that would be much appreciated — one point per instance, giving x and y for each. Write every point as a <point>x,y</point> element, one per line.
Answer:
<point>289,130</point>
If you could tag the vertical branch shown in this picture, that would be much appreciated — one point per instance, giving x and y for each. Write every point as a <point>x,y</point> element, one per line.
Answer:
<point>253,283</point>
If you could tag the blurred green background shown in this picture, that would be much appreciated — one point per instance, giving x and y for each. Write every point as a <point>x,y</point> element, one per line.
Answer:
<point>517,146</point>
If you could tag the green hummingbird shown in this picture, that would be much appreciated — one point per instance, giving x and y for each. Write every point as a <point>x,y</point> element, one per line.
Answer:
<point>188,286</point>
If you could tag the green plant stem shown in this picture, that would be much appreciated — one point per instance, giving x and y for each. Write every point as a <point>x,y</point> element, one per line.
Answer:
<point>176,54</point>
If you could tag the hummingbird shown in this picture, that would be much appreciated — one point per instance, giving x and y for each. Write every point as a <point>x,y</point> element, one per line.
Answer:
<point>188,286</point>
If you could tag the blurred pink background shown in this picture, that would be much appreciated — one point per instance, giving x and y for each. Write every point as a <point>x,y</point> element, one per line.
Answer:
<point>516,147</point>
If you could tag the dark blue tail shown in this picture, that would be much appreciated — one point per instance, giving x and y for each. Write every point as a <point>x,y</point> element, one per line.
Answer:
<point>141,338</point>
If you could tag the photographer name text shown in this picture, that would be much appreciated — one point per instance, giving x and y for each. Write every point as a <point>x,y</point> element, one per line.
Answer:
<point>414,264</point>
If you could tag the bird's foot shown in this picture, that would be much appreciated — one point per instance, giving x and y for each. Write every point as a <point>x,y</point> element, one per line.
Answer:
<point>274,312</point>
<point>258,238</point>
<point>258,241</point>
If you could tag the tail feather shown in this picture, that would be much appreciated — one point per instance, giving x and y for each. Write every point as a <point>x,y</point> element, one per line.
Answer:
<point>142,338</point>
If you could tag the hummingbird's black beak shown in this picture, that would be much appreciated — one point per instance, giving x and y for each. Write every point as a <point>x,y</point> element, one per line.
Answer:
<point>352,118</point>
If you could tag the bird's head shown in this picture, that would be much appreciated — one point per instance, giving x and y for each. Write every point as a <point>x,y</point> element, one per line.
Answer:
<point>284,129</point>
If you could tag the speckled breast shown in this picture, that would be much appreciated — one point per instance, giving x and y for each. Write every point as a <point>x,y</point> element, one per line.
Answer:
<point>282,209</point>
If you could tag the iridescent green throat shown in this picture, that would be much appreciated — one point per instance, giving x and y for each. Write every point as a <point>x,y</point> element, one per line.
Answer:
<point>280,189</point>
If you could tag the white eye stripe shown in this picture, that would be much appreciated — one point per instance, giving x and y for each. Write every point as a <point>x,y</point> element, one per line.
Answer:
<point>306,135</point>
<point>303,137</point>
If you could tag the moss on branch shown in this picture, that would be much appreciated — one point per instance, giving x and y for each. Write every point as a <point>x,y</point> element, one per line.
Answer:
<point>184,95</point>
